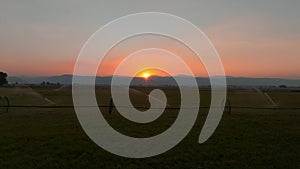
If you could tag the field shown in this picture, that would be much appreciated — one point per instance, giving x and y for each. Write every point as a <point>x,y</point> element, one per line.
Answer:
<point>35,137</point>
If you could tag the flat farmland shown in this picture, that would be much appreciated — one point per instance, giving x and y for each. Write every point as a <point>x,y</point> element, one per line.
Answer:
<point>37,137</point>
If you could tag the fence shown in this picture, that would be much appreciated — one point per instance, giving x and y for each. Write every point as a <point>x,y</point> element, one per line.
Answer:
<point>5,103</point>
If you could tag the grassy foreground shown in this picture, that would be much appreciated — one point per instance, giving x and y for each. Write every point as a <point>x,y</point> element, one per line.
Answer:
<point>53,138</point>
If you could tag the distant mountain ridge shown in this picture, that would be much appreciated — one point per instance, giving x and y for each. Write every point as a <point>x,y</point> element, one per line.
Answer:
<point>159,81</point>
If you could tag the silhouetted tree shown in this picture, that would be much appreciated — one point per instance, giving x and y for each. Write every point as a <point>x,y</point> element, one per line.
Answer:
<point>3,79</point>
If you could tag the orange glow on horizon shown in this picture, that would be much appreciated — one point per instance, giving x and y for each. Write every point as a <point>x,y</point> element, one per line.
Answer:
<point>147,73</point>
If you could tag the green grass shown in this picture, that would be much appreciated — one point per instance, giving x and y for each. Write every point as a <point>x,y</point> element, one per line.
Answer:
<point>53,138</point>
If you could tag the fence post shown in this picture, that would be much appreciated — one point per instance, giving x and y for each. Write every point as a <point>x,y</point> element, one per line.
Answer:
<point>8,104</point>
<point>5,99</point>
<point>110,105</point>
<point>229,106</point>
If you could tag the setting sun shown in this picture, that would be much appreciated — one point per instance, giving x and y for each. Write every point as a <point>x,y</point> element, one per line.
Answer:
<point>149,72</point>
<point>146,75</point>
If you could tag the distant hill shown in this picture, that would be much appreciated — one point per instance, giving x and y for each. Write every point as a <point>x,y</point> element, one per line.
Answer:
<point>160,81</point>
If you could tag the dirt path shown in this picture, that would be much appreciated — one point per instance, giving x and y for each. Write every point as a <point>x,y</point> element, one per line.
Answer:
<point>266,95</point>
<point>270,99</point>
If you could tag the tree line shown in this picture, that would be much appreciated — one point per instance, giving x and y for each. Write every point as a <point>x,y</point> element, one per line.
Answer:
<point>3,78</point>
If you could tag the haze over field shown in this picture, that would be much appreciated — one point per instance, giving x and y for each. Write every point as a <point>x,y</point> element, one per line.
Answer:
<point>159,81</point>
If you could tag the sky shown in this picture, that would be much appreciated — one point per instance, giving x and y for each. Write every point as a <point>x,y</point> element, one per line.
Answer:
<point>253,38</point>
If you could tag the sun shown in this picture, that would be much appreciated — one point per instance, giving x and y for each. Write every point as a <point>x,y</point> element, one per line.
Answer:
<point>146,75</point>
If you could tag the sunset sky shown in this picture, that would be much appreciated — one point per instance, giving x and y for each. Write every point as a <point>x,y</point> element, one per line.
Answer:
<point>254,38</point>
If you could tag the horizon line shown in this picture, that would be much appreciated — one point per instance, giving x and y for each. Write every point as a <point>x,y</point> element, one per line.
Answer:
<point>229,76</point>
